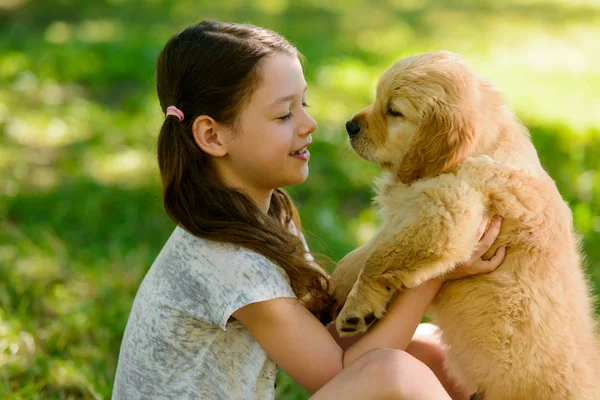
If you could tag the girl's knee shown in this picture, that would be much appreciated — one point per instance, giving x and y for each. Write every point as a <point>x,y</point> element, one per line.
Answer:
<point>378,361</point>
<point>395,373</point>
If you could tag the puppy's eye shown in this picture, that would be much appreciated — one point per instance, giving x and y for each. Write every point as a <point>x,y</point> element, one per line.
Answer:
<point>394,113</point>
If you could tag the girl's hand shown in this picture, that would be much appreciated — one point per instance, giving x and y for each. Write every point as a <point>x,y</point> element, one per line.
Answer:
<point>477,265</point>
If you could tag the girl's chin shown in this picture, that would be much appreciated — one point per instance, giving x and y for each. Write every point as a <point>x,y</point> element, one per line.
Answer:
<point>299,178</point>
<point>298,181</point>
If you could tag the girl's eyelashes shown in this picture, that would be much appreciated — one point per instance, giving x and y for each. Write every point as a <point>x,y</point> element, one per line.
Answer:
<point>286,116</point>
<point>289,115</point>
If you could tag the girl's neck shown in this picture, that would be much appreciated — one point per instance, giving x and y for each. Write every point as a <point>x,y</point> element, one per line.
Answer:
<point>261,198</point>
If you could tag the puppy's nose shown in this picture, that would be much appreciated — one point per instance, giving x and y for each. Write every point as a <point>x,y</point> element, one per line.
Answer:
<point>352,128</point>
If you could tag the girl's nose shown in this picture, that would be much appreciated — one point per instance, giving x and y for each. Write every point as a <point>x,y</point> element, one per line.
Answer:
<point>309,126</point>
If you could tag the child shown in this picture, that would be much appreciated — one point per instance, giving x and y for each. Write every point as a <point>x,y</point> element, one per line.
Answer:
<point>233,292</point>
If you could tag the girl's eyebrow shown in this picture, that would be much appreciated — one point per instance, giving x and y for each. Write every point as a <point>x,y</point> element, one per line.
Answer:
<point>287,98</point>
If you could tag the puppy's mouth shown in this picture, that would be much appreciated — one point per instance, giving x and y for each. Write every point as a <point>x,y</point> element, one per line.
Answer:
<point>364,147</point>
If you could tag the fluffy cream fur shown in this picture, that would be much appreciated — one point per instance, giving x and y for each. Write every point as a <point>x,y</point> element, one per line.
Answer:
<point>453,151</point>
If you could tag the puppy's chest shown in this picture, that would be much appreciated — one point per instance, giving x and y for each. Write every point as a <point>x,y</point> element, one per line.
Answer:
<point>392,198</point>
<point>392,194</point>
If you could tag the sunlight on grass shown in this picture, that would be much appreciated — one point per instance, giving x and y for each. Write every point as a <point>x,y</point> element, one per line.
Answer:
<point>7,158</point>
<point>386,41</point>
<point>585,184</point>
<point>41,267</point>
<point>45,128</point>
<point>58,32</point>
<point>65,374</point>
<point>550,76</point>
<point>272,6</point>
<point>41,131</point>
<point>12,62</point>
<point>566,2</point>
<point>341,86</point>
<point>17,347</point>
<point>9,4</point>
<point>347,76</point>
<point>127,167</point>
<point>548,73</point>
<point>407,5</point>
<point>35,262</point>
<point>583,218</point>
<point>366,226</point>
<point>100,30</point>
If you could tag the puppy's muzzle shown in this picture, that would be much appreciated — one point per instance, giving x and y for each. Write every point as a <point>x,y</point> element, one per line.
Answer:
<point>352,128</point>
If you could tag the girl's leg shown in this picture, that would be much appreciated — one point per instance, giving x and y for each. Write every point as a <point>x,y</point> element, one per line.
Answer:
<point>426,346</point>
<point>383,374</point>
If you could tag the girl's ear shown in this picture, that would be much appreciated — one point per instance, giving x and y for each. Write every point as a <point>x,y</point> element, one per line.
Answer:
<point>209,136</point>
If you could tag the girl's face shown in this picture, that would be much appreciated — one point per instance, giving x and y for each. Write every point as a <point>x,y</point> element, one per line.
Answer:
<point>268,149</point>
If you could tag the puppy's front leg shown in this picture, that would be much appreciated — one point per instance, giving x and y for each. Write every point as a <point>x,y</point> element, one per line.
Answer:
<point>346,273</point>
<point>439,231</point>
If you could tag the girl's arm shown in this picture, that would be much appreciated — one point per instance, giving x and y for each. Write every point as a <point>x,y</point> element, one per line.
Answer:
<point>403,316</point>
<point>295,340</point>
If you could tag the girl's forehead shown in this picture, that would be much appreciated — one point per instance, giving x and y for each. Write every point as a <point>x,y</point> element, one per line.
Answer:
<point>281,75</point>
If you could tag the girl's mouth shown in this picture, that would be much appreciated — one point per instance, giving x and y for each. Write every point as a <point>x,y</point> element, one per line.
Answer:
<point>302,154</point>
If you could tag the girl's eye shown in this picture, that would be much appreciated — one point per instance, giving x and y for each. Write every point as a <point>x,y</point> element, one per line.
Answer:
<point>286,116</point>
<point>289,114</point>
<point>394,113</point>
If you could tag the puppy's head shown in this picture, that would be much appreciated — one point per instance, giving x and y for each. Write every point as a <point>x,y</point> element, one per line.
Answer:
<point>424,119</point>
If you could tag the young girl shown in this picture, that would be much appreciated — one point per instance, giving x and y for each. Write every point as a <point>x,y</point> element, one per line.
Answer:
<point>233,293</point>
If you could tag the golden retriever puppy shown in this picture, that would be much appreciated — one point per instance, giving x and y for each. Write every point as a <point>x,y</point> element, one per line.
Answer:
<point>452,151</point>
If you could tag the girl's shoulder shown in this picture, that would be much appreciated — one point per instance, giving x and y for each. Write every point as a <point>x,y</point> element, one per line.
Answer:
<point>204,253</point>
<point>212,279</point>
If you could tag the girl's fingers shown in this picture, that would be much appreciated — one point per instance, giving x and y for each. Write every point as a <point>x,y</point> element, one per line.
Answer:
<point>489,237</point>
<point>496,260</point>
<point>481,229</point>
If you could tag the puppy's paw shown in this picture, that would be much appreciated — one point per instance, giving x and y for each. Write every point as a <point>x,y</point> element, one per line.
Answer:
<point>363,306</point>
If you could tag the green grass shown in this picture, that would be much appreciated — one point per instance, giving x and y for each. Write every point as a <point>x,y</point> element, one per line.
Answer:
<point>81,218</point>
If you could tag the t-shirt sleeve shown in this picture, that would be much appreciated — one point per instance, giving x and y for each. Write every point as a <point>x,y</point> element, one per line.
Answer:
<point>250,278</point>
<point>214,280</point>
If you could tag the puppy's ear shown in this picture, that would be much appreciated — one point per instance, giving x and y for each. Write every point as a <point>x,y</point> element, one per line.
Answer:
<point>443,139</point>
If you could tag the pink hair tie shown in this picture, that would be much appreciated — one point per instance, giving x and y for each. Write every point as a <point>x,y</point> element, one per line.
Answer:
<point>172,110</point>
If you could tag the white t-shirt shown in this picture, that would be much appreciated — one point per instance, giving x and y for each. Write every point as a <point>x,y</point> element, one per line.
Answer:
<point>178,343</point>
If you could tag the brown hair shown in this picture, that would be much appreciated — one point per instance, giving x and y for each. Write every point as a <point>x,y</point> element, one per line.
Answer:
<point>211,68</point>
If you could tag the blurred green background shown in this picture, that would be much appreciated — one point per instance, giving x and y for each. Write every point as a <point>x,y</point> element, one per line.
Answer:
<point>81,218</point>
